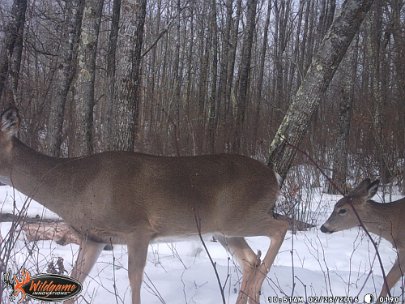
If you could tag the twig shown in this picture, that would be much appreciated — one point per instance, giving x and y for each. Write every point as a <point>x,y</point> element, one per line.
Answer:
<point>114,277</point>
<point>305,288</point>
<point>153,289</point>
<point>214,265</point>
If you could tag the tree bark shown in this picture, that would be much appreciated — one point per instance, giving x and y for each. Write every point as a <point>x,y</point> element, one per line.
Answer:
<point>299,115</point>
<point>260,77</point>
<point>339,172</point>
<point>212,109</point>
<point>224,63</point>
<point>65,73</point>
<point>204,46</point>
<point>244,74</point>
<point>13,32</point>
<point>229,102</point>
<point>82,141</point>
<point>399,59</point>
<point>128,75</point>
<point>375,50</point>
<point>111,68</point>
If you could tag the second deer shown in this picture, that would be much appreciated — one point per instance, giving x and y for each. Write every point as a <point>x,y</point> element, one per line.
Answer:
<point>385,220</point>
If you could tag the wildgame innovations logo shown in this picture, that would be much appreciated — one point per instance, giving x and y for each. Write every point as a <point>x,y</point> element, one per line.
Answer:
<point>43,287</point>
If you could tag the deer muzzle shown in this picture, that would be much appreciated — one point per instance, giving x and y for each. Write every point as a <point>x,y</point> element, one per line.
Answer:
<point>324,229</point>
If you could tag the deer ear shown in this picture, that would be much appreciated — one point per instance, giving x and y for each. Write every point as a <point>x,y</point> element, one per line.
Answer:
<point>10,121</point>
<point>362,188</point>
<point>372,189</point>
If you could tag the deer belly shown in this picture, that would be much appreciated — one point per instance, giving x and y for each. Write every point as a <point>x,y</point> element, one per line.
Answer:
<point>101,235</point>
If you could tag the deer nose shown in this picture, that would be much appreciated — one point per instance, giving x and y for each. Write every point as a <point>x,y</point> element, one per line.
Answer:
<point>325,230</point>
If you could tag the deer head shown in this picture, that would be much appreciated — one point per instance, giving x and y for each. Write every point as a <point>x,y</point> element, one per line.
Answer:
<point>343,216</point>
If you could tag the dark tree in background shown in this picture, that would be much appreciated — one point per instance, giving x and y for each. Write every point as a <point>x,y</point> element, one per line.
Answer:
<point>12,42</point>
<point>345,104</point>
<point>186,77</point>
<point>244,72</point>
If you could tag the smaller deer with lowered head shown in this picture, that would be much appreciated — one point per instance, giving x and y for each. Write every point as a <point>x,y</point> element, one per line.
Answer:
<point>133,199</point>
<point>385,220</point>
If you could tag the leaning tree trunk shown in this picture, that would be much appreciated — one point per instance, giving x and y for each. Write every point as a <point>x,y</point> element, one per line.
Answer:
<point>320,73</point>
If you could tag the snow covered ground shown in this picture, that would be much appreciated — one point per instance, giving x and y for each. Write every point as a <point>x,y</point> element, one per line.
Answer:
<point>309,264</point>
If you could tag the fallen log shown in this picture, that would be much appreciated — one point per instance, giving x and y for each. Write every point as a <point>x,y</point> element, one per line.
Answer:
<point>38,228</point>
<point>44,229</point>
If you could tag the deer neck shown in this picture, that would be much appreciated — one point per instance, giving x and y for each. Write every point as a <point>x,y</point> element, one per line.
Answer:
<point>378,219</point>
<point>30,171</point>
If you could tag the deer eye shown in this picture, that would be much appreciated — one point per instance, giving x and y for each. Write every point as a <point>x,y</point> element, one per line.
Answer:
<point>342,211</point>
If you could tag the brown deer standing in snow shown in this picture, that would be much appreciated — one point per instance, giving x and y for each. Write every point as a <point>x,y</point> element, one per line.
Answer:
<point>132,198</point>
<point>386,220</point>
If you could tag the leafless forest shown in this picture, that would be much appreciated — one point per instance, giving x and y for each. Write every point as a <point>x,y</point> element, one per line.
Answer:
<point>187,77</point>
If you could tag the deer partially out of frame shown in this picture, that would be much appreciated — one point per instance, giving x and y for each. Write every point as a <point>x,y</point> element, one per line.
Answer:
<point>385,220</point>
<point>132,198</point>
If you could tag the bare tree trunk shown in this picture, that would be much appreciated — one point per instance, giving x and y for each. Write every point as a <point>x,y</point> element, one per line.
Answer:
<point>299,115</point>
<point>190,62</point>
<point>212,111</point>
<point>281,12</point>
<point>17,55</point>
<point>226,48</point>
<point>260,77</point>
<point>339,172</point>
<point>111,67</point>
<point>202,83</point>
<point>176,83</point>
<point>375,50</point>
<point>244,74</point>
<point>65,74</point>
<point>82,141</point>
<point>326,17</point>
<point>399,59</point>
<point>231,63</point>
<point>13,33</point>
<point>128,75</point>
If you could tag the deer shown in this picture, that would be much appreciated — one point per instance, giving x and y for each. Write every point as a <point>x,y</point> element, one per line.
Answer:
<point>383,219</point>
<point>132,198</point>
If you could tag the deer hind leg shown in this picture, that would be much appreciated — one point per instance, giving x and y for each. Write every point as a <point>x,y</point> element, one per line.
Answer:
<point>137,253</point>
<point>246,258</point>
<point>89,251</point>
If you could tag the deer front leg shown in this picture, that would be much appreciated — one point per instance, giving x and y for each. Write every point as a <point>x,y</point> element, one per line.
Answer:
<point>277,233</point>
<point>393,275</point>
<point>137,253</point>
<point>88,253</point>
<point>245,257</point>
